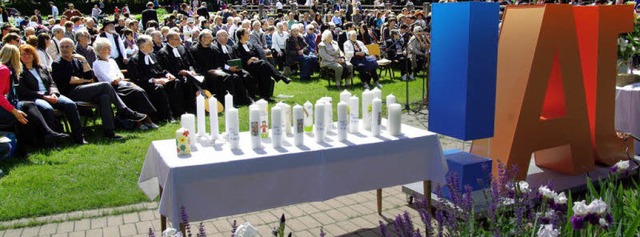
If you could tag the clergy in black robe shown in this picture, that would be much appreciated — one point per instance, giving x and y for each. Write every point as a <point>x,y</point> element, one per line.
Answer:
<point>175,58</point>
<point>164,90</point>
<point>258,68</point>
<point>220,78</point>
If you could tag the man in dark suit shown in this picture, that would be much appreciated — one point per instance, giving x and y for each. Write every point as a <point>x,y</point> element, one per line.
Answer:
<point>203,11</point>
<point>298,51</point>
<point>175,58</point>
<point>397,50</point>
<point>258,68</point>
<point>220,78</point>
<point>145,71</point>
<point>149,14</point>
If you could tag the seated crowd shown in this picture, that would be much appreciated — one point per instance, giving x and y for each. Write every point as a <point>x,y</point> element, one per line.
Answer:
<point>151,72</point>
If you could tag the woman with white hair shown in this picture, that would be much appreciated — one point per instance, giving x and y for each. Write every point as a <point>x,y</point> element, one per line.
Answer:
<point>419,45</point>
<point>358,55</point>
<point>106,70</point>
<point>332,58</point>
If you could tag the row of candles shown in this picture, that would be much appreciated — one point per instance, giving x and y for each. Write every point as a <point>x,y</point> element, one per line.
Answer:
<point>295,121</point>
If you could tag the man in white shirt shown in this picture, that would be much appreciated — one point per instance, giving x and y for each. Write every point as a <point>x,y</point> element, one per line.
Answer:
<point>54,11</point>
<point>54,49</point>
<point>117,46</point>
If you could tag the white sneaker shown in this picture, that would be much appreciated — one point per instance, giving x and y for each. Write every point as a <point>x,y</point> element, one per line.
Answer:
<point>366,86</point>
<point>412,77</point>
<point>151,125</point>
<point>378,85</point>
<point>404,77</point>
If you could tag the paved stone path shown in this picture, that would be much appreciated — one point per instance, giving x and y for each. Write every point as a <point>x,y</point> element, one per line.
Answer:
<point>350,215</point>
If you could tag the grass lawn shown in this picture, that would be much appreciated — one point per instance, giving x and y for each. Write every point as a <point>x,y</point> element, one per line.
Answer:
<point>105,173</point>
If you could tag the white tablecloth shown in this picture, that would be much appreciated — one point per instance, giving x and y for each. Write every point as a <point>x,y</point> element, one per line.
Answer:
<point>216,181</point>
<point>628,111</point>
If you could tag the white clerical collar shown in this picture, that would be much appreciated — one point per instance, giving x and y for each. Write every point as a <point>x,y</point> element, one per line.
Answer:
<point>175,51</point>
<point>148,60</point>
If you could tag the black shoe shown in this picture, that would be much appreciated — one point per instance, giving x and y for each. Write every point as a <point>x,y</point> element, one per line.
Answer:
<point>113,136</point>
<point>81,142</point>
<point>131,115</point>
<point>53,137</point>
<point>286,80</point>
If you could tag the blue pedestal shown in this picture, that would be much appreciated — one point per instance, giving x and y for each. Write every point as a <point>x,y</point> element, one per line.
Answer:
<point>469,169</point>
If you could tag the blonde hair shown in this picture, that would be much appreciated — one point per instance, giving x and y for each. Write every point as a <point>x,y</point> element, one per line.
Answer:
<point>10,56</point>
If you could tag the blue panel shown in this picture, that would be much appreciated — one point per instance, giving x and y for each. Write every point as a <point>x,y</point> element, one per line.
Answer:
<point>469,168</point>
<point>462,85</point>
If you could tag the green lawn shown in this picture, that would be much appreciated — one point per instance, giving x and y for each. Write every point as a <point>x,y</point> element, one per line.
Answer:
<point>105,173</point>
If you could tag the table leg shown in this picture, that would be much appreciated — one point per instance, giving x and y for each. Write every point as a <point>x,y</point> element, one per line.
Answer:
<point>426,185</point>
<point>182,230</point>
<point>163,219</point>
<point>379,199</point>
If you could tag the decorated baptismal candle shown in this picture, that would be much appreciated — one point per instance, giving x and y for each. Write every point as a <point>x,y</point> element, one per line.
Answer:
<point>343,122</point>
<point>354,105</point>
<point>308,117</point>
<point>376,112</point>
<point>298,125</point>
<point>276,126</point>
<point>234,128</point>
<point>318,126</point>
<point>286,118</point>
<point>395,116</point>
<point>202,128</point>
<point>264,118</point>
<point>183,143</point>
<point>344,96</point>
<point>188,121</point>
<point>367,97</point>
<point>254,126</point>
<point>213,118</point>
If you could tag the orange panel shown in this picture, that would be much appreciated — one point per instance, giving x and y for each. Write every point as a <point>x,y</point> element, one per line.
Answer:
<point>530,39</point>
<point>598,28</point>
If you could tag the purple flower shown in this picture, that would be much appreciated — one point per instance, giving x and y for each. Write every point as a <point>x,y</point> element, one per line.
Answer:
<point>609,218</point>
<point>408,224</point>
<point>234,227</point>
<point>185,220</point>
<point>201,231</point>
<point>425,216</point>
<point>383,229</point>
<point>322,234</point>
<point>417,233</point>
<point>577,222</point>
<point>398,225</point>
<point>592,218</point>
<point>151,233</point>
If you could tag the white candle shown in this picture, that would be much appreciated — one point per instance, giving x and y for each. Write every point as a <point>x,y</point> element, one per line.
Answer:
<point>213,117</point>
<point>276,126</point>
<point>298,125</point>
<point>202,127</point>
<point>354,105</point>
<point>377,93</point>
<point>228,104</point>
<point>395,117</point>
<point>183,144</point>
<point>367,96</point>
<point>343,122</point>
<point>319,124</point>
<point>254,125</point>
<point>328,114</point>
<point>188,121</point>
<point>391,99</point>
<point>376,110</point>
<point>264,118</point>
<point>308,117</point>
<point>286,118</point>
<point>234,128</point>
<point>344,96</point>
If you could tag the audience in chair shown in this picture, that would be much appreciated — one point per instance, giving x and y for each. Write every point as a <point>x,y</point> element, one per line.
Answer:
<point>332,58</point>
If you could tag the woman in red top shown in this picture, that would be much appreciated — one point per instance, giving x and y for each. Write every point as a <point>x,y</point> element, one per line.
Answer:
<point>12,110</point>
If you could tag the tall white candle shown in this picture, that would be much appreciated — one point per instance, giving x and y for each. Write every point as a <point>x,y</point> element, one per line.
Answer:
<point>234,128</point>
<point>319,124</point>
<point>367,96</point>
<point>343,122</point>
<point>276,126</point>
<point>376,112</point>
<point>228,104</point>
<point>202,127</point>
<point>391,99</point>
<point>354,105</point>
<point>308,117</point>
<point>254,125</point>
<point>264,118</point>
<point>298,125</point>
<point>328,114</point>
<point>344,96</point>
<point>213,117</point>
<point>395,117</point>
<point>286,118</point>
<point>377,93</point>
<point>188,121</point>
